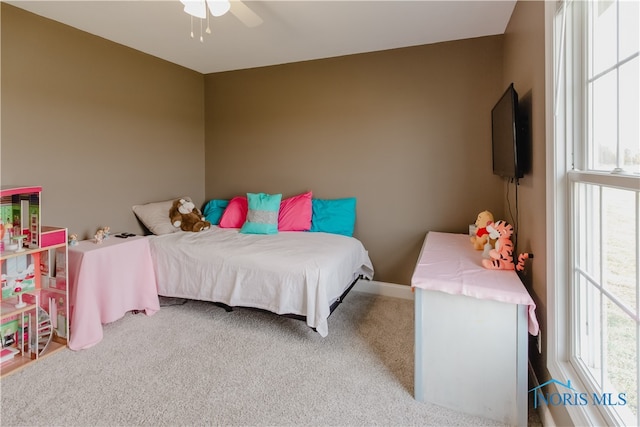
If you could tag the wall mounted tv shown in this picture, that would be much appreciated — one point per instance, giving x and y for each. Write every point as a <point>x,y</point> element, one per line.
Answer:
<point>509,137</point>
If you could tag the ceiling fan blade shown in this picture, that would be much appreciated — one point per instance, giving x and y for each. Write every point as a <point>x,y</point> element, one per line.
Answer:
<point>247,16</point>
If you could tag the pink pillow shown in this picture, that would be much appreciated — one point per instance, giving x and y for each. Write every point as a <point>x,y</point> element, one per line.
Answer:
<point>235,213</point>
<point>295,213</point>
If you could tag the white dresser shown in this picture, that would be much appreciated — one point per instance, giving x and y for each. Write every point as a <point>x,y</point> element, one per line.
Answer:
<point>471,332</point>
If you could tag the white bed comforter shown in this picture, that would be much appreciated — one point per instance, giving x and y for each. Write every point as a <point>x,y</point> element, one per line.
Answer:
<point>286,273</point>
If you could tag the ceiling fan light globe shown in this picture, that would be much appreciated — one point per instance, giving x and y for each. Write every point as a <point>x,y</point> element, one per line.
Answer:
<point>218,7</point>
<point>195,8</point>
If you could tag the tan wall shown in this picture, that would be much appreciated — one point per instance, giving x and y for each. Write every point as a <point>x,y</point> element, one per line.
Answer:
<point>524,64</point>
<point>406,131</point>
<point>100,126</point>
<point>103,127</point>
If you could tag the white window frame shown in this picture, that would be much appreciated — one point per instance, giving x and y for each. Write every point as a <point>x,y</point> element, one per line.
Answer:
<point>561,175</point>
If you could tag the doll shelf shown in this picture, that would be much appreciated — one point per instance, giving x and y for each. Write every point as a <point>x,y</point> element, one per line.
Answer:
<point>33,259</point>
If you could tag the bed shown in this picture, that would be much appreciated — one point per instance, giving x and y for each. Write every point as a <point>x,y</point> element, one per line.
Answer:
<point>289,273</point>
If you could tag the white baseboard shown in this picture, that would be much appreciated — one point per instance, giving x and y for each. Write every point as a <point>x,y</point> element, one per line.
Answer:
<point>384,288</point>
<point>543,410</point>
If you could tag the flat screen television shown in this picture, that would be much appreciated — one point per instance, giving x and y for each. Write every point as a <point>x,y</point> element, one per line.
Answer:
<point>508,137</point>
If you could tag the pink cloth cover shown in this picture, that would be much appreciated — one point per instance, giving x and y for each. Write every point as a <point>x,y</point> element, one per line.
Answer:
<point>449,263</point>
<point>295,213</point>
<point>105,281</point>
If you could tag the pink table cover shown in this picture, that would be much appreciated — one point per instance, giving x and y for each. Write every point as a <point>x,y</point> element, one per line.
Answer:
<point>448,263</point>
<point>105,281</point>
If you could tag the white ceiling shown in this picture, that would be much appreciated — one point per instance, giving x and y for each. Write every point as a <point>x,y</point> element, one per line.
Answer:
<point>291,30</point>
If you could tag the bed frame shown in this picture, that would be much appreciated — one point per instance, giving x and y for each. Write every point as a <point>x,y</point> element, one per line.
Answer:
<point>333,306</point>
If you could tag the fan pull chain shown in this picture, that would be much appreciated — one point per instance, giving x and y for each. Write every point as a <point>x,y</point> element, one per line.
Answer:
<point>201,38</point>
<point>208,30</point>
<point>192,27</point>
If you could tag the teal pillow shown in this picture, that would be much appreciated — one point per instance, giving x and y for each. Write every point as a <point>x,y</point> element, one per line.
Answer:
<point>262,216</point>
<point>213,210</point>
<point>337,216</point>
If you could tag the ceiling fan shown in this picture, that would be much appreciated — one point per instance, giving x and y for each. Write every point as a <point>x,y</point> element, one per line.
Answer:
<point>202,8</point>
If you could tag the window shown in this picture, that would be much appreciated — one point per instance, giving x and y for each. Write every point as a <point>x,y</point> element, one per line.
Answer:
<point>597,208</point>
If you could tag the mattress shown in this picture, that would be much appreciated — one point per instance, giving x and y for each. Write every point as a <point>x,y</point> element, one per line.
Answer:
<point>299,273</point>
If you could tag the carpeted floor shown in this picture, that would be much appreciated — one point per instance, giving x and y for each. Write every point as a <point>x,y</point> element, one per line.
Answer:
<point>192,363</point>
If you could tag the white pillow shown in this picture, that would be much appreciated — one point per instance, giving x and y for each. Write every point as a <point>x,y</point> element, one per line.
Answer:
<point>155,216</point>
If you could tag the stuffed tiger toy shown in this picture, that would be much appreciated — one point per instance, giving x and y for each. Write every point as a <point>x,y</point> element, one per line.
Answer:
<point>502,255</point>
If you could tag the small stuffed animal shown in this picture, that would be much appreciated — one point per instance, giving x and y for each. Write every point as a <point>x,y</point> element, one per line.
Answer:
<point>482,235</point>
<point>502,255</point>
<point>492,235</point>
<point>187,217</point>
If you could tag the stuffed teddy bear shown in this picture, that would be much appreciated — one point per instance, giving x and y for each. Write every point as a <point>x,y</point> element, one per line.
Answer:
<point>482,235</point>
<point>187,217</point>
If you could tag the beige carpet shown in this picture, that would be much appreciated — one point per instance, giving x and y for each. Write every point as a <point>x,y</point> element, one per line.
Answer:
<point>195,364</point>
